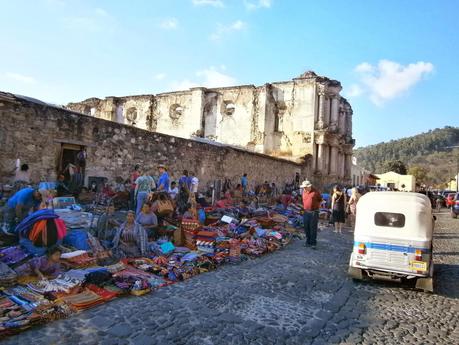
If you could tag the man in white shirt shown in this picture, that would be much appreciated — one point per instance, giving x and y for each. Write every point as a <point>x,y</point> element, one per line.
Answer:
<point>194,184</point>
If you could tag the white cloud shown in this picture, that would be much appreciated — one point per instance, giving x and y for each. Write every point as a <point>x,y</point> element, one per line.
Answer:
<point>223,30</point>
<point>214,3</point>
<point>21,78</point>
<point>389,79</point>
<point>354,91</point>
<point>160,76</point>
<point>214,78</point>
<point>169,24</point>
<point>209,77</point>
<point>364,67</point>
<point>252,5</point>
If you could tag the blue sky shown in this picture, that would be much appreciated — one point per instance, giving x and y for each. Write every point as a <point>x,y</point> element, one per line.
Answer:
<point>397,60</point>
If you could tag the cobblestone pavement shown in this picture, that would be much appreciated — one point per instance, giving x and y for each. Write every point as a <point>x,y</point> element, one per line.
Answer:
<point>293,296</point>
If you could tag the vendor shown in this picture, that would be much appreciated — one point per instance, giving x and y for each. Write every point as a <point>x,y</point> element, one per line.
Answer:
<point>227,201</point>
<point>61,187</point>
<point>19,205</point>
<point>43,266</point>
<point>131,239</point>
<point>106,225</point>
<point>147,218</point>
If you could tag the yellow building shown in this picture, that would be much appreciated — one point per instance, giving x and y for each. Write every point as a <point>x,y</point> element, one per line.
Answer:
<point>452,185</point>
<point>392,180</point>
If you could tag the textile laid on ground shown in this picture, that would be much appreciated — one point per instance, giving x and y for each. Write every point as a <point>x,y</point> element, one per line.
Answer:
<point>93,276</point>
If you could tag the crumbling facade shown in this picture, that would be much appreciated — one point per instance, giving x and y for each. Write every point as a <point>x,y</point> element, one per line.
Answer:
<point>304,120</point>
<point>47,138</point>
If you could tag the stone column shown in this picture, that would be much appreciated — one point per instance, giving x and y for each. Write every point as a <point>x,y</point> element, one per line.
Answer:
<point>321,120</point>
<point>347,166</point>
<point>342,122</point>
<point>348,120</point>
<point>326,160</point>
<point>334,161</point>
<point>334,113</point>
<point>322,157</point>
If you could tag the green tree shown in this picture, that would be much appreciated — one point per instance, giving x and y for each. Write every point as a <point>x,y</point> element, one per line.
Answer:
<point>419,173</point>
<point>396,166</point>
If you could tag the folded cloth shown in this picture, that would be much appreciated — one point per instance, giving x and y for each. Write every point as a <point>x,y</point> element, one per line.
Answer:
<point>105,294</point>
<point>98,277</point>
<point>28,222</point>
<point>7,275</point>
<point>13,255</point>
<point>84,300</point>
<point>72,254</point>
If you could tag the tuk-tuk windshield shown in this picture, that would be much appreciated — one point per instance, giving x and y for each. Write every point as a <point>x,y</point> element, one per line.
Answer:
<point>393,220</point>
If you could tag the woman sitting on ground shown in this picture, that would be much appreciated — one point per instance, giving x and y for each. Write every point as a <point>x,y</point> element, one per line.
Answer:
<point>131,239</point>
<point>147,218</point>
<point>227,201</point>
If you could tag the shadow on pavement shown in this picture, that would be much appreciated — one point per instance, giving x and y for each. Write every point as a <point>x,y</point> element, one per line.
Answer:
<point>447,280</point>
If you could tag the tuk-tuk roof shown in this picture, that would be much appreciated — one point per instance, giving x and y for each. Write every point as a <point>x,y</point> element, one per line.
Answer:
<point>415,207</point>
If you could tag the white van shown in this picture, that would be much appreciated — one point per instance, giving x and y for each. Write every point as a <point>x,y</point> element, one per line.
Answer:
<point>393,238</point>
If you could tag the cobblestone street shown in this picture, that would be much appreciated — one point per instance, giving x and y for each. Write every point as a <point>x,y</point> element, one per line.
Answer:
<point>294,296</point>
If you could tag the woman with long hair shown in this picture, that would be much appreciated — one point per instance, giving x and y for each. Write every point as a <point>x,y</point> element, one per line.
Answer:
<point>338,209</point>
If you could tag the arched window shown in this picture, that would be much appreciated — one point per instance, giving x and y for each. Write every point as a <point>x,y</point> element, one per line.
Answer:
<point>131,115</point>
<point>228,107</point>
<point>175,111</point>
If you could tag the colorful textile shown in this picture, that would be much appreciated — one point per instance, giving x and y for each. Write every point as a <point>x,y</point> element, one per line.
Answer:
<point>42,264</point>
<point>27,223</point>
<point>13,255</point>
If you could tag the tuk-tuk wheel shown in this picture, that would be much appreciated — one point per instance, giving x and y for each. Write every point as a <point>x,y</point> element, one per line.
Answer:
<point>355,273</point>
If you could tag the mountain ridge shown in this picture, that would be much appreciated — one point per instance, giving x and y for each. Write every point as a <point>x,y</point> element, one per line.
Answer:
<point>432,151</point>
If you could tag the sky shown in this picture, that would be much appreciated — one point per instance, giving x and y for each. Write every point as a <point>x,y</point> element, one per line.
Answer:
<point>397,60</point>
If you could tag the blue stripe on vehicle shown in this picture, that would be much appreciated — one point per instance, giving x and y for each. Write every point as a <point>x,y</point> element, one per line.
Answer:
<point>392,247</point>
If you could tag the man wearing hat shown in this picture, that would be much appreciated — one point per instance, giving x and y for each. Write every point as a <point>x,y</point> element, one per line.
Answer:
<point>163,182</point>
<point>311,205</point>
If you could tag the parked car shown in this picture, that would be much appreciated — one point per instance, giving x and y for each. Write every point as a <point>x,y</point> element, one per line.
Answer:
<point>450,199</point>
<point>455,206</point>
<point>446,192</point>
<point>393,239</point>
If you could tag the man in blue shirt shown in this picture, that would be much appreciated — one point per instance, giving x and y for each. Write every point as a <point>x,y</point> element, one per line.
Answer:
<point>19,205</point>
<point>163,182</point>
<point>244,183</point>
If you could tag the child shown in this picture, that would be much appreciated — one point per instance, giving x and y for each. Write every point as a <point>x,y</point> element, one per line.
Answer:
<point>42,266</point>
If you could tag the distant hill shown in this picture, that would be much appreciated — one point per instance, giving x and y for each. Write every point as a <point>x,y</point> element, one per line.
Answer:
<point>427,150</point>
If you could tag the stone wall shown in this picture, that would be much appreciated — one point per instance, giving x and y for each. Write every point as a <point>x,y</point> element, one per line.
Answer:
<point>36,132</point>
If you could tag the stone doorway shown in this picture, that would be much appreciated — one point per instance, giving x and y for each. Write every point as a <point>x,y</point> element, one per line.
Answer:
<point>72,164</point>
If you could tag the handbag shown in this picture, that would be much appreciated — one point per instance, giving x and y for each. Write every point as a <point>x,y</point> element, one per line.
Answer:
<point>165,207</point>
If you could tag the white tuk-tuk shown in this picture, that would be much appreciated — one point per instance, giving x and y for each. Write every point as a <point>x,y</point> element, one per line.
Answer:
<point>393,238</point>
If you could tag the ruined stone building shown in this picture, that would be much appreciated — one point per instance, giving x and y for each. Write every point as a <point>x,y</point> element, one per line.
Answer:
<point>48,138</point>
<point>304,120</point>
